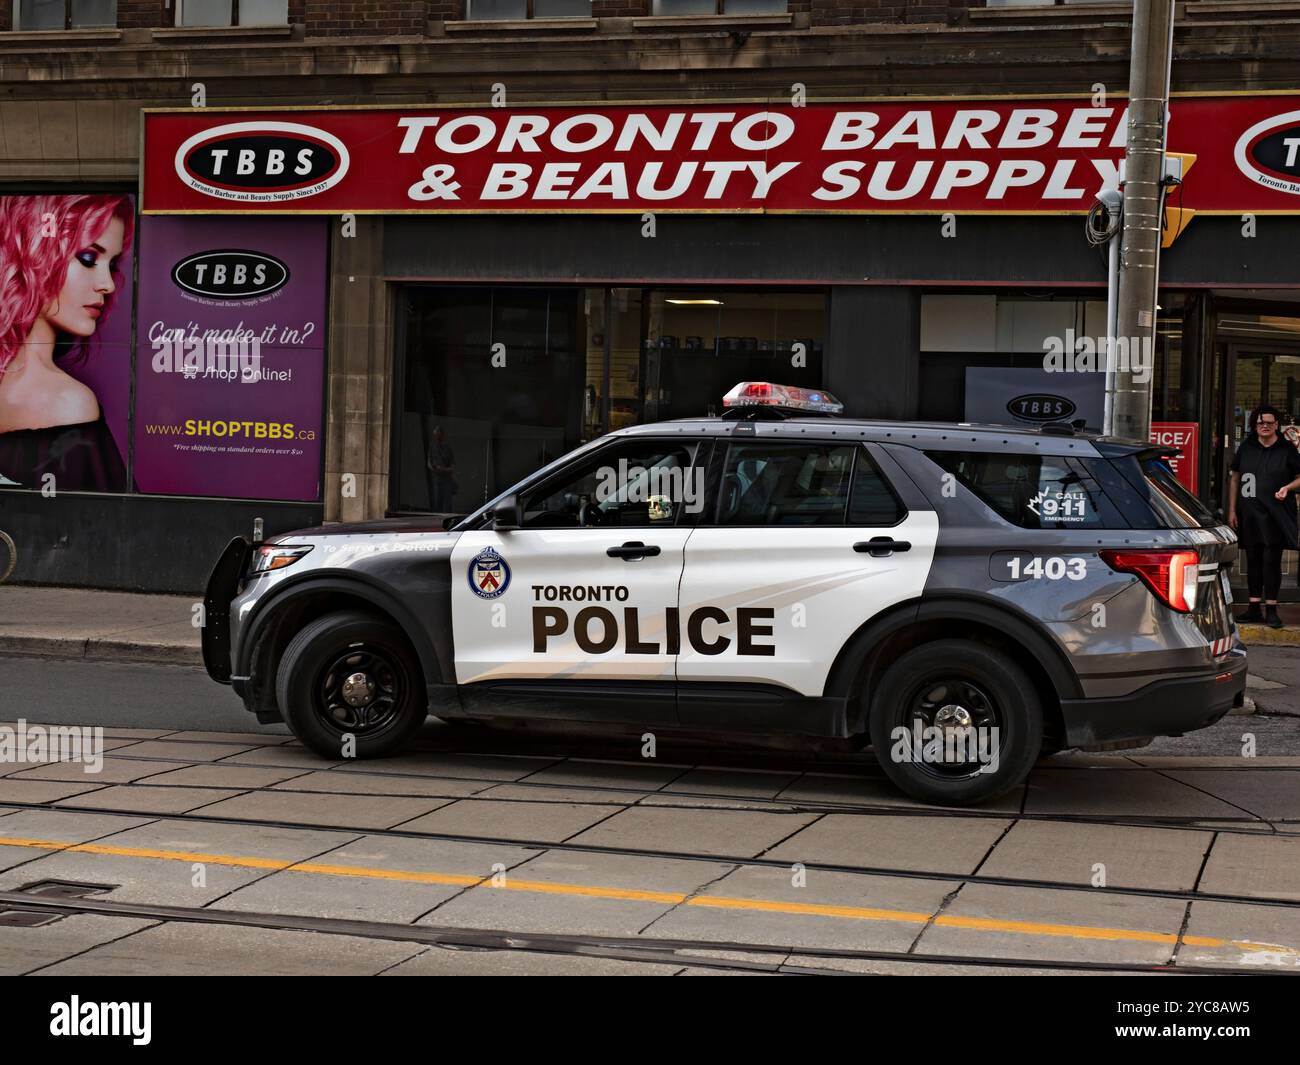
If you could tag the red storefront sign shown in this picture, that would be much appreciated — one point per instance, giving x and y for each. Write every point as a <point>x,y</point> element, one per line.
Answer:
<point>1182,435</point>
<point>1021,156</point>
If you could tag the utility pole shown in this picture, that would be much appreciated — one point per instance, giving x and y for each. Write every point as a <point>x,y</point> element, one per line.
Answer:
<point>1144,171</point>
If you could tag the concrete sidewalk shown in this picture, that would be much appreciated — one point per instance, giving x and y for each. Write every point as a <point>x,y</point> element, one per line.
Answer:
<point>79,623</point>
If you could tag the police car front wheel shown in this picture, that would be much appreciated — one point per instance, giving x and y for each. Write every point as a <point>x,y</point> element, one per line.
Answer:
<point>955,722</point>
<point>349,685</point>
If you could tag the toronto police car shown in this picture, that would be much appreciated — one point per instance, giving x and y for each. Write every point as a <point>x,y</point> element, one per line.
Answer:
<point>963,597</point>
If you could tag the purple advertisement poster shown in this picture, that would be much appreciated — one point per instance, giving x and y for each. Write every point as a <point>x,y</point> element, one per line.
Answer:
<point>230,366</point>
<point>65,341</point>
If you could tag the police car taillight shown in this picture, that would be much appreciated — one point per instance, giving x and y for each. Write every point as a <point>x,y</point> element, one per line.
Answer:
<point>1171,575</point>
<point>791,397</point>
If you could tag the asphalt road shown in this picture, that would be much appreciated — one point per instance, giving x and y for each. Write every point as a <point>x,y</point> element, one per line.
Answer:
<point>140,695</point>
<point>128,695</point>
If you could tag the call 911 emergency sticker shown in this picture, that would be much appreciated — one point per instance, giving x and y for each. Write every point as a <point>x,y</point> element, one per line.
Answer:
<point>489,575</point>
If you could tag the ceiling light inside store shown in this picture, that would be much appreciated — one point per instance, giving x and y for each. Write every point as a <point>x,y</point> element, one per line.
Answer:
<point>695,303</point>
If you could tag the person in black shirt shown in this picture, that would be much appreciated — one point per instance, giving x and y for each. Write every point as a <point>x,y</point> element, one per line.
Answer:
<point>1261,507</point>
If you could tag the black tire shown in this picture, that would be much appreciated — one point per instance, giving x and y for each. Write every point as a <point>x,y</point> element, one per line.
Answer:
<point>318,707</point>
<point>966,678</point>
<point>8,556</point>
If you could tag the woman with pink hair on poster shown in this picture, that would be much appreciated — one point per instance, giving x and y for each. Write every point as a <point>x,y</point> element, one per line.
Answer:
<point>58,273</point>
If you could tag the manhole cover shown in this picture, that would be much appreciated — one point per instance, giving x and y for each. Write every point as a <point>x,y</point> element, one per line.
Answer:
<point>27,918</point>
<point>65,889</point>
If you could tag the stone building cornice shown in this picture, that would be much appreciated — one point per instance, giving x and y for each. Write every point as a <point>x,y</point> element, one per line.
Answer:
<point>242,69</point>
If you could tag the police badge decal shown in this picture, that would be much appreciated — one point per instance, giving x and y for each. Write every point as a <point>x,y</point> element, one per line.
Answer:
<point>489,576</point>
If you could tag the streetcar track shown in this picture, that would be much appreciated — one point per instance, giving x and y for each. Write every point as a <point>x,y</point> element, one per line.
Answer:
<point>1218,798</point>
<point>624,948</point>
<point>739,758</point>
<point>542,846</point>
<point>705,800</point>
<point>834,766</point>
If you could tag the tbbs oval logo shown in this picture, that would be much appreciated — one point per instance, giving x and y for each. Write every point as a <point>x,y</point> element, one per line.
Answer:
<point>1269,153</point>
<point>262,162</point>
<point>230,274</point>
<point>1041,407</point>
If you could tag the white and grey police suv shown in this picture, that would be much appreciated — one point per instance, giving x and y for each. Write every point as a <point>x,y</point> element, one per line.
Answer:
<point>964,597</point>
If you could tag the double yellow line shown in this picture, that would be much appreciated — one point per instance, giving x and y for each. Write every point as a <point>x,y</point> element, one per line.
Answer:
<point>1260,953</point>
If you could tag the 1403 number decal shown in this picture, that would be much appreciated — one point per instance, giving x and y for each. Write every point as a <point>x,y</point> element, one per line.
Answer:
<point>1054,568</point>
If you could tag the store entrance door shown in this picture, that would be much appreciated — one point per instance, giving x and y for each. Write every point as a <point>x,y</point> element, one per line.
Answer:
<point>1262,375</point>
<point>1250,375</point>
<point>1247,375</point>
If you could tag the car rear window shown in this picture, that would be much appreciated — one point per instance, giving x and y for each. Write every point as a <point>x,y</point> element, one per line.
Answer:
<point>1034,491</point>
<point>1167,502</point>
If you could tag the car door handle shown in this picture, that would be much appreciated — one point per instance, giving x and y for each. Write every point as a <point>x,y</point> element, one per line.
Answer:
<point>633,549</point>
<point>882,546</point>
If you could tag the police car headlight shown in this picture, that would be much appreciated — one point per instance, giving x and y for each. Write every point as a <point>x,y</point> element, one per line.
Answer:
<point>269,557</point>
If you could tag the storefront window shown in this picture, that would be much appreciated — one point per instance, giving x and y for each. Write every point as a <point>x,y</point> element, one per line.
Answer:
<point>1219,427</point>
<point>982,352</point>
<point>979,352</point>
<point>613,319</point>
<point>492,390</point>
<point>1175,384</point>
<point>499,381</point>
<point>698,344</point>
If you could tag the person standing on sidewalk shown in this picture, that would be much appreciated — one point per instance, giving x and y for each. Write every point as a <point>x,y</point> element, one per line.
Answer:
<point>1261,507</point>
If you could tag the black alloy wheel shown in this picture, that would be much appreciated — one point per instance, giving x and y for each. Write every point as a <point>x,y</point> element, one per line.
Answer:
<point>350,685</point>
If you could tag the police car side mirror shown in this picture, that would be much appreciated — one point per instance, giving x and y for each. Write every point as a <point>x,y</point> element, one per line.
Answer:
<point>505,515</point>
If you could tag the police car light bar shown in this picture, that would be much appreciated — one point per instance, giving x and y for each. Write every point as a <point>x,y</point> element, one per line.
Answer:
<point>789,397</point>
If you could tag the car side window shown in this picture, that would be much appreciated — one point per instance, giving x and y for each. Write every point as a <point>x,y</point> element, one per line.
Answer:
<point>644,484</point>
<point>873,502</point>
<point>786,484</point>
<point>1033,491</point>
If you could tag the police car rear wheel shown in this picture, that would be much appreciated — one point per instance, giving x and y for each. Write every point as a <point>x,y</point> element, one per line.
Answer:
<point>956,722</point>
<point>350,674</point>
